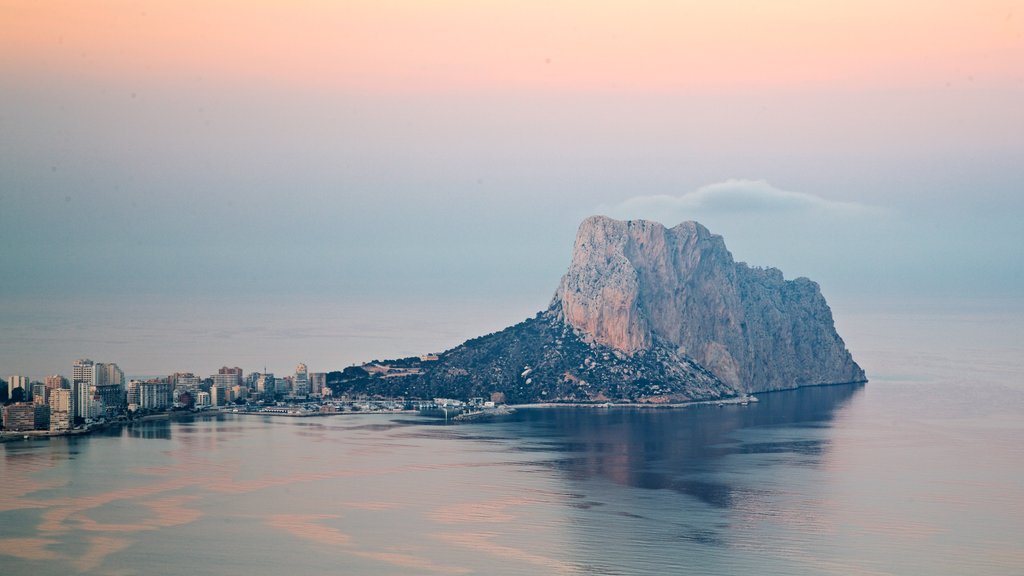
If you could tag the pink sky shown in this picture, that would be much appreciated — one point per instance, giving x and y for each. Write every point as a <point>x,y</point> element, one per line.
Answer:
<point>424,152</point>
<point>444,45</point>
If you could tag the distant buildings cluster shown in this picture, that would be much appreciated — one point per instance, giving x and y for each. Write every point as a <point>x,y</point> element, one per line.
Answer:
<point>97,392</point>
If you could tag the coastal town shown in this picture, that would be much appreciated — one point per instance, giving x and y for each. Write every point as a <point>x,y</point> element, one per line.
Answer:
<point>97,395</point>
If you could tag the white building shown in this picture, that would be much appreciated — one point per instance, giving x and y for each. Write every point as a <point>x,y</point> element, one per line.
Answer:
<point>62,409</point>
<point>155,395</point>
<point>84,370</point>
<point>83,392</point>
<point>132,394</point>
<point>216,396</point>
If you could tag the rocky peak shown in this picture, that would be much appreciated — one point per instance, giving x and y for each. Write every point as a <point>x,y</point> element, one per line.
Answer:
<point>634,284</point>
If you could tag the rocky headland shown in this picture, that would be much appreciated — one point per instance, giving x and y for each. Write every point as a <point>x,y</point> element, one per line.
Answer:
<point>643,314</point>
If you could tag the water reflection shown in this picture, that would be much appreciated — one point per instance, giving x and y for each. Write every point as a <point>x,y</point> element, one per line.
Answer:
<point>679,449</point>
<point>712,484</point>
<point>150,430</point>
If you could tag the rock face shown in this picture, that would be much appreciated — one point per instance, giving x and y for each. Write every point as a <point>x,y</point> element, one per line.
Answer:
<point>636,285</point>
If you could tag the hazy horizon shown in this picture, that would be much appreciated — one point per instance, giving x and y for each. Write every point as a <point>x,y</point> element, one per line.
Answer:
<point>317,181</point>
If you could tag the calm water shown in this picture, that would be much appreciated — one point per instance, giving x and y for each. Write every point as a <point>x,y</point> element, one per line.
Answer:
<point>919,472</point>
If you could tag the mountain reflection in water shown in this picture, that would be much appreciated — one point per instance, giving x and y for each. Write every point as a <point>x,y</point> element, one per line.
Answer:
<point>659,448</point>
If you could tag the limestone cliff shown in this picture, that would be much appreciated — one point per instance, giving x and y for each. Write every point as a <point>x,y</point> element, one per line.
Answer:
<point>633,285</point>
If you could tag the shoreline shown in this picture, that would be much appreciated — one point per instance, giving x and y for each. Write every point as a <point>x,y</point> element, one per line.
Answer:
<point>647,405</point>
<point>722,401</point>
<point>319,414</point>
<point>7,436</point>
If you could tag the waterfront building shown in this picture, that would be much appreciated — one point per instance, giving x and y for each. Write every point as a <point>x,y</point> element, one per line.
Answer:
<point>83,379</point>
<point>93,407</point>
<point>155,395</point>
<point>131,394</point>
<point>83,396</point>
<point>216,395</point>
<point>204,399</point>
<point>113,398</point>
<point>20,417</point>
<point>42,416</point>
<point>185,397</point>
<point>62,410</point>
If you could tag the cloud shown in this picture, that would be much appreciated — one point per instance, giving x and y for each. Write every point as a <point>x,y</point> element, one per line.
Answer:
<point>735,197</point>
<point>835,243</point>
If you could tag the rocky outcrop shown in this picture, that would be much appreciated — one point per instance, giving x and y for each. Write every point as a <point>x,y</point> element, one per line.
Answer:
<point>636,285</point>
<point>644,314</point>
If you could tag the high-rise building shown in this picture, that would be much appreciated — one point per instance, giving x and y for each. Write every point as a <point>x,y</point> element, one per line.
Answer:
<point>217,395</point>
<point>132,394</point>
<point>93,407</point>
<point>97,388</point>
<point>108,375</point>
<point>186,380</point>
<point>83,397</point>
<point>15,382</point>
<point>226,380</point>
<point>84,370</point>
<point>317,383</point>
<point>40,394</point>
<point>55,381</point>
<point>42,416</point>
<point>265,385</point>
<point>113,398</point>
<point>155,395</point>
<point>115,375</point>
<point>234,375</point>
<point>300,384</point>
<point>62,410</point>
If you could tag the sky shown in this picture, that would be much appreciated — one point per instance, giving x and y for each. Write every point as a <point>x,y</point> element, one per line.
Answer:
<point>190,184</point>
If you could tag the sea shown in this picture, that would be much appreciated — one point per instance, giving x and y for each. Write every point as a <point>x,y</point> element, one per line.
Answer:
<point>918,471</point>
